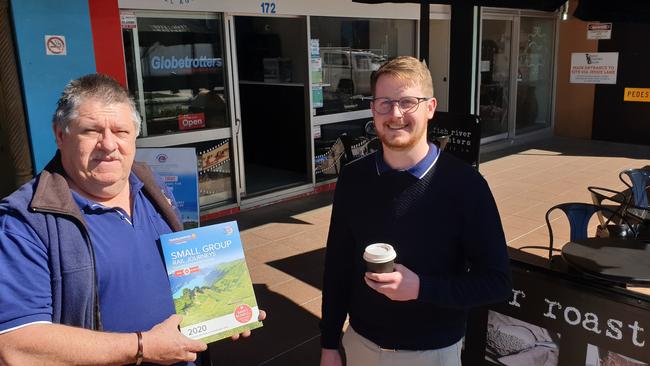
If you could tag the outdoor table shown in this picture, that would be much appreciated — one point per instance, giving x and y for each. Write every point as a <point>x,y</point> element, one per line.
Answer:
<point>619,260</point>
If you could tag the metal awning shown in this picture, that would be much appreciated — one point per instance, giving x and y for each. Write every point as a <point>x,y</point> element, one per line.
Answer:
<point>637,11</point>
<point>544,5</point>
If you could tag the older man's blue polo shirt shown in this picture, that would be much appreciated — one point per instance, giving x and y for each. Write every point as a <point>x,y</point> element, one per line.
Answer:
<point>134,291</point>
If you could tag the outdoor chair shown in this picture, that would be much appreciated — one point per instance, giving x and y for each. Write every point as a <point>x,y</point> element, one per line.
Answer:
<point>579,214</point>
<point>639,181</point>
<point>613,200</point>
<point>636,180</point>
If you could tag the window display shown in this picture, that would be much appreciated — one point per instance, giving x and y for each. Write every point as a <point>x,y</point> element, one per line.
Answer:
<point>182,66</point>
<point>175,69</point>
<point>350,50</point>
<point>214,161</point>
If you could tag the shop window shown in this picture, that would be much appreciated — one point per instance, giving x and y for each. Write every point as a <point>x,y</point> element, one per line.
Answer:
<point>175,70</point>
<point>339,143</point>
<point>182,74</point>
<point>350,50</point>
<point>333,59</point>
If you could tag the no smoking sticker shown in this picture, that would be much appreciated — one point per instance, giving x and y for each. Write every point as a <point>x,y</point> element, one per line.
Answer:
<point>55,45</point>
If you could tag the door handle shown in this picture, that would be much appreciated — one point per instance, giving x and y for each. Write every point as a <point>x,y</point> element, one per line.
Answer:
<point>237,125</point>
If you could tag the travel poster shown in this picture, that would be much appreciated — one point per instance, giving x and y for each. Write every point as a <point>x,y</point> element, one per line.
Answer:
<point>178,169</point>
<point>210,283</point>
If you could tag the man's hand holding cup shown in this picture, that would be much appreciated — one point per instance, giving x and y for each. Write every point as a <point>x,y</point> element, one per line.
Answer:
<point>395,281</point>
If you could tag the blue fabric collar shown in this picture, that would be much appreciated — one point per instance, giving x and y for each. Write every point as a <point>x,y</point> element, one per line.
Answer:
<point>419,170</point>
<point>85,204</point>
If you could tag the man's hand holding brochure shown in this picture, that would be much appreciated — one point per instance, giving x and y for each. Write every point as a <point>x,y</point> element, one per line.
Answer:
<point>210,282</point>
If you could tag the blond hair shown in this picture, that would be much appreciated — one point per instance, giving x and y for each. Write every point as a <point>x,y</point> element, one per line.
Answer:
<point>407,69</point>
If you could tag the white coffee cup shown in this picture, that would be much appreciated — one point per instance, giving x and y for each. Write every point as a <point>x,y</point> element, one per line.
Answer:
<point>380,258</point>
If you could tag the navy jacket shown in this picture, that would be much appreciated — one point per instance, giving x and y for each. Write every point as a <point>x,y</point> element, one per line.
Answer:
<point>47,206</point>
<point>445,227</point>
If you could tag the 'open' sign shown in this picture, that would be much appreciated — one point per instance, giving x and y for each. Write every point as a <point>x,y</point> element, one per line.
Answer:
<point>191,121</point>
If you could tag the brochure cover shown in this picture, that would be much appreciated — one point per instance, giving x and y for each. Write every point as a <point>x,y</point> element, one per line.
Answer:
<point>210,283</point>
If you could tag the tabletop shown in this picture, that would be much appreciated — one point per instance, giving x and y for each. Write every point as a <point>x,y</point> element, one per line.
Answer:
<point>620,260</point>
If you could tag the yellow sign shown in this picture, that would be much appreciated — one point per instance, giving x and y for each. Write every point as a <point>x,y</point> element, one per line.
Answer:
<point>637,95</point>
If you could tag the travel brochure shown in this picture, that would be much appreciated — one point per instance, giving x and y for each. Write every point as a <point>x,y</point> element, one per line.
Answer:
<point>210,282</point>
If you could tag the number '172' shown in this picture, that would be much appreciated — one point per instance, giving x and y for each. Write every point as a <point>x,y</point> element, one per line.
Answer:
<point>268,8</point>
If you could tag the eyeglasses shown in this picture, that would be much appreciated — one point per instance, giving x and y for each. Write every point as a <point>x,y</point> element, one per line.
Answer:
<point>406,105</point>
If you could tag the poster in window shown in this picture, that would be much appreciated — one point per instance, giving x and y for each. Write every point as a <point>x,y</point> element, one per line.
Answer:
<point>177,167</point>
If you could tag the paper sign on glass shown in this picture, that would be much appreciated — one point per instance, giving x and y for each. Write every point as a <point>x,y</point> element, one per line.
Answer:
<point>177,168</point>
<point>210,283</point>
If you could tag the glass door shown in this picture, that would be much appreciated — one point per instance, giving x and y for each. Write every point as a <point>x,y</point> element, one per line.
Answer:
<point>495,67</point>
<point>271,82</point>
<point>439,61</point>
<point>535,74</point>
<point>176,71</point>
<point>517,57</point>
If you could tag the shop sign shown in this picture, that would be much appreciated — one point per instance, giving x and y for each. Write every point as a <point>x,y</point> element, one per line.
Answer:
<point>191,121</point>
<point>180,60</point>
<point>55,45</point>
<point>637,95</point>
<point>177,2</point>
<point>562,322</point>
<point>128,20</point>
<point>461,136</point>
<point>594,68</point>
<point>599,31</point>
<point>173,62</point>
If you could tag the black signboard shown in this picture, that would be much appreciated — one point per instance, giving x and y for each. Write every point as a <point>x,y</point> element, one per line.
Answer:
<point>462,134</point>
<point>560,319</point>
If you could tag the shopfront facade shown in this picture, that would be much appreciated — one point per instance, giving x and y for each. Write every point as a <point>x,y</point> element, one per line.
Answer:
<point>262,91</point>
<point>273,96</point>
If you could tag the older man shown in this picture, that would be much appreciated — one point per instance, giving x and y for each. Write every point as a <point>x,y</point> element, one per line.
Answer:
<point>82,280</point>
<point>441,218</point>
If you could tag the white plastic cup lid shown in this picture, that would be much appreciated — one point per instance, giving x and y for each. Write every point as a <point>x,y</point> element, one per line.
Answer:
<point>379,253</point>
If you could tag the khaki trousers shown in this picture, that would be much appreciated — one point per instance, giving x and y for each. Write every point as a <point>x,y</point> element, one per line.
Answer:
<point>359,351</point>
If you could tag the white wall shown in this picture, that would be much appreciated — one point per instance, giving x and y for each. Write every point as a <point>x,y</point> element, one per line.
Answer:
<point>289,7</point>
